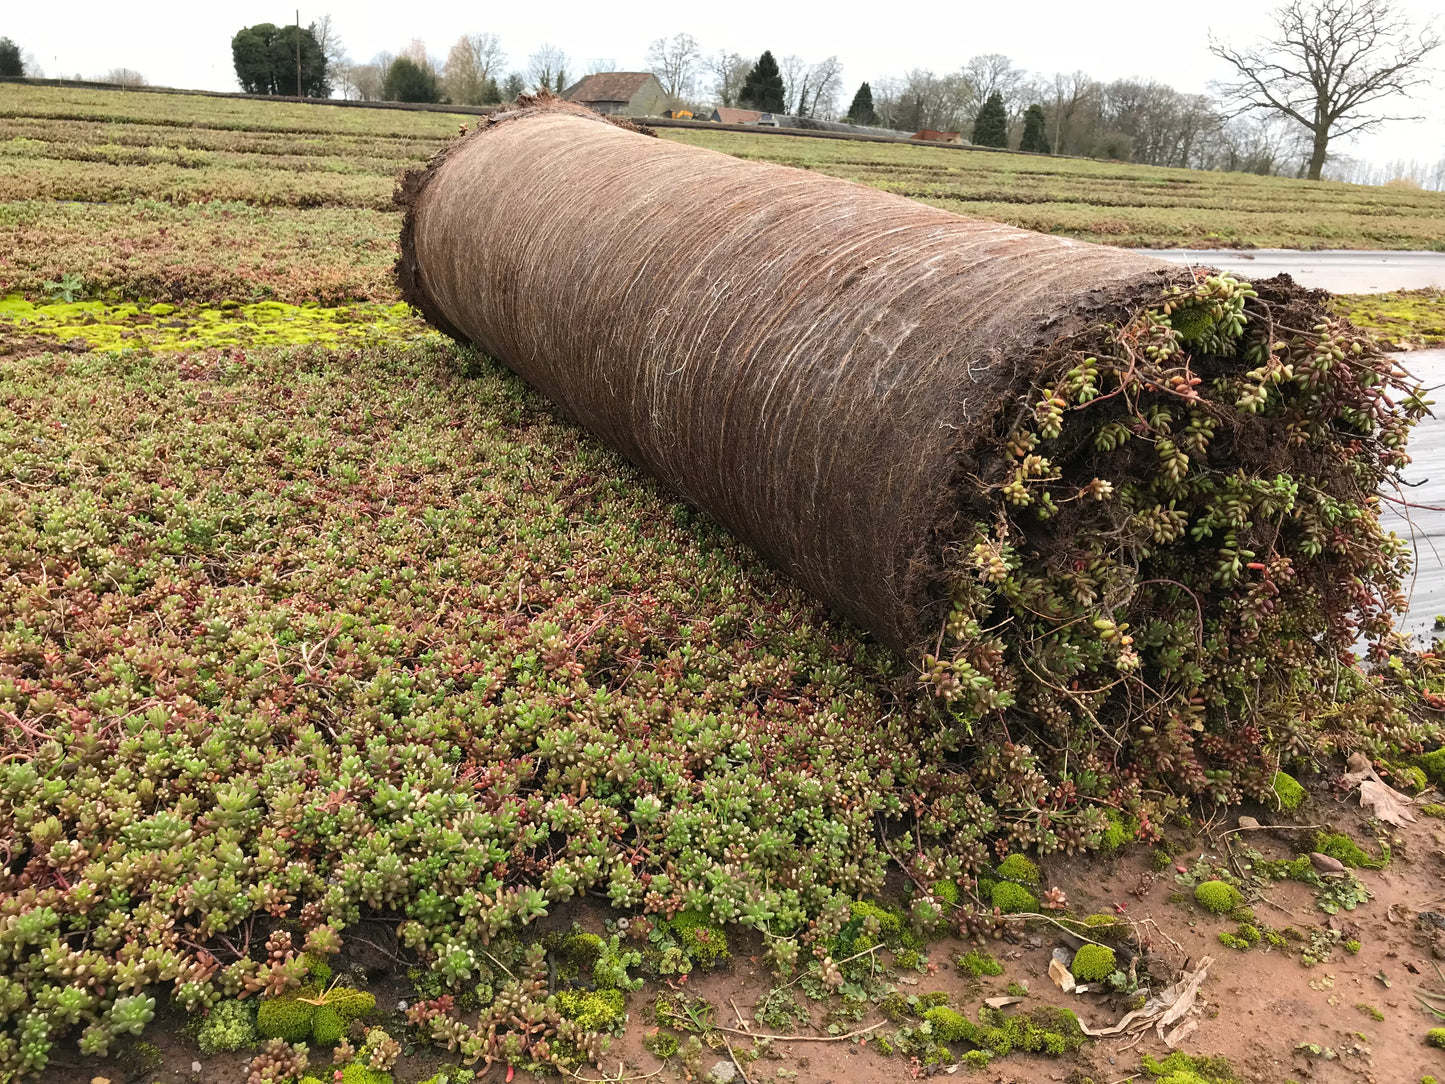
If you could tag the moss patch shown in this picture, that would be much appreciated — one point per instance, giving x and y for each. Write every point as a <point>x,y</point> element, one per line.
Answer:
<point>95,325</point>
<point>1408,318</point>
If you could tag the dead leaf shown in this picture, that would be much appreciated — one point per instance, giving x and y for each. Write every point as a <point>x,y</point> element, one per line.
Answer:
<point>1182,1032</point>
<point>1062,976</point>
<point>1325,864</point>
<point>1388,804</point>
<point>1163,1009</point>
<point>1001,1002</point>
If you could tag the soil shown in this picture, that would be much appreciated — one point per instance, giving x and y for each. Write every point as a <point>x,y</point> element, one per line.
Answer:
<point>1273,1018</point>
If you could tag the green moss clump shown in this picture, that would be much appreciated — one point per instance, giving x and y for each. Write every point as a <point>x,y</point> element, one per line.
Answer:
<point>1338,845</point>
<point>1180,1068</point>
<point>891,928</point>
<point>1436,1037</point>
<point>662,1044</point>
<point>976,1059</point>
<point>230,1026</point>
<point>286,1017</point>
<point>1115,835</point>
<point>1433,809</point>
<point>705,944</point>
<point>1369,1010</point>
<point>1245,936</point>
<point>1093,962</point>
<point>317,969</point>
<point>592,1010</point>
<point>1433,765</point>
<point>327,1028</point>
<point>907,958</point>
<point>1011,898</point>
<point>350,1004</point>
<point>1218,897</point>
<point>1288,790</point>
<point>1352,946</point>
<point>1018,868</point>
<point>576,954</point>
<point>951,1026</point>
<point>930,1000</point>
<point>976,964</point>
<point>1191,322</point>
<point>357,1073</point>
<point>948,892</point>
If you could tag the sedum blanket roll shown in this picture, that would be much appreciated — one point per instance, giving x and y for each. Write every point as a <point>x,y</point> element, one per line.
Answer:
<point>1125,511</point>
<point>813,362</point>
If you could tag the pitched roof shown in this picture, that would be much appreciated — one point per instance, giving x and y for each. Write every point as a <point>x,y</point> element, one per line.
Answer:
<point>608,87</point>
<point>737,116</point>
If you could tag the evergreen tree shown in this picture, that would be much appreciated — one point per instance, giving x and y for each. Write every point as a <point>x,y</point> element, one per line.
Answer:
<point>10,62</point>
<point>861,111</point>
<point>1036,134</point>
<point>408,81</point>
<point>990,127</point>
<point>763,88</point>
<point>265,60</point>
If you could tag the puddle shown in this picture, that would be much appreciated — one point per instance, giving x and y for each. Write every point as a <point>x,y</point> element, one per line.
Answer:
<point>1341,271</point>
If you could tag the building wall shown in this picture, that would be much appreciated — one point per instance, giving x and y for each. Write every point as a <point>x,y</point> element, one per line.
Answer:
<point>649,101</point>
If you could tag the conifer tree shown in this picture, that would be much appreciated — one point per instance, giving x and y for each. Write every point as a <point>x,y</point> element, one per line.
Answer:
<point>1036,135</point>
<point>990,127</point>
<point>861,111</point>
<point>763,88</point>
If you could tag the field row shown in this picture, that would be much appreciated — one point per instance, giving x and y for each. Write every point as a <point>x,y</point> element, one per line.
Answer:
<point>108,147</point>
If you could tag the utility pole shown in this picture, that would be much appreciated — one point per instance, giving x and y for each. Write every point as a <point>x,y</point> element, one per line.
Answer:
<point>298,52</point>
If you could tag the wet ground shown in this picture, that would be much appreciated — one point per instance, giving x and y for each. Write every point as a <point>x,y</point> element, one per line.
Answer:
<point>1341,271</point>
<point>1424,523</point>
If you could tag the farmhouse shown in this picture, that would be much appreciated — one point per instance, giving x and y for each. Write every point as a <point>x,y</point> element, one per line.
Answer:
<point>725,115</point>
<point>630,93</point>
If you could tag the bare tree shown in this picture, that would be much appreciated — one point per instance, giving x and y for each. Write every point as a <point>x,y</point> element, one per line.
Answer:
<point>471,69</point>
<point>600,64</point>
<point>1331,65</point>
<point>546,68</point>
<point>329,39</point>
<point>675,62</point>
<point>794,70</point>
<point>125,77</point>
<point>728,71</point>
<point>368,79</point>
<point>995,73</point>
<point>825,80</point>
<point>1072,93</point>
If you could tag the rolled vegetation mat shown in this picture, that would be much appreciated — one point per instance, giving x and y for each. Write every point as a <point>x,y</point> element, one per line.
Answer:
<point>1123,516</point>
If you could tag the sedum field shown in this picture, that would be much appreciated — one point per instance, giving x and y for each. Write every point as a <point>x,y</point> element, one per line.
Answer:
<point>313,622</point>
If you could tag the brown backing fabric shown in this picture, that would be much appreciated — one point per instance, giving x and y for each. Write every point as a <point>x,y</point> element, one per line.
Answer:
<point>819,365</point>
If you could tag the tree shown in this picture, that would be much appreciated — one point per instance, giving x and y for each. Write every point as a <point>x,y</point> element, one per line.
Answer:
<point>124,77</point>
<point>990,127</point>
<point>763,87</point>
<point>329,41</point>
<point>514,87</point>
<point>471,70</point>
<point>1036,134</point>
<point>818,96</point>
<point>861,111</point>
<point>994,73</point>
<point>265,59</point>
<point>729,72</point>
<point>675,62</point>
<point>408,81</point>
<point>547,69</point>
<point>11,66</point>
<point>1331,66</point>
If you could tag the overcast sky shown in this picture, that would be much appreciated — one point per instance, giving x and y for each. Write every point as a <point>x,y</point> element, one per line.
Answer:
<point>188,44</point>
